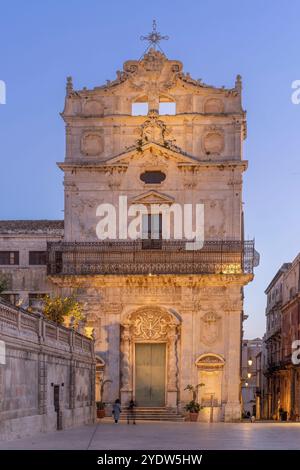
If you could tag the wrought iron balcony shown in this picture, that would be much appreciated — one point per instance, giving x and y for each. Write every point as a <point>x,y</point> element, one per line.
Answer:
<point>150,257</point>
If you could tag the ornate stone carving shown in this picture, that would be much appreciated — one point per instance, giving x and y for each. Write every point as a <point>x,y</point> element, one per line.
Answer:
<point>155,130</point>
<point>160,281</point>
<point>150,324</point>
<point>189,177</point>
<point>172,359</point>
<point>210,328</point>
<point>125,358</point>
<point>115,176</point>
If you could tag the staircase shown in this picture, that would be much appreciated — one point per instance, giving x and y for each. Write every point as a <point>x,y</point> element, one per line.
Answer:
<point>154,414</point>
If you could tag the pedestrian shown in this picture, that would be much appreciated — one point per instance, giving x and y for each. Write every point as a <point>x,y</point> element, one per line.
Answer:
<point>116,410</point>
<point>131,412</point>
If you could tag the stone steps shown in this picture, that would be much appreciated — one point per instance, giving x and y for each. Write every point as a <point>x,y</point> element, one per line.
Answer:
<point>154,414</point>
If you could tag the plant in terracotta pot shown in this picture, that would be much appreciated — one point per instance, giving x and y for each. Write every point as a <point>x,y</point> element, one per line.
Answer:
<point>193,407</point>
<point>100,409</point>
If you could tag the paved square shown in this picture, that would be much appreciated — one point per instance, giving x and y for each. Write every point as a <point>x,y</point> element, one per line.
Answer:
<point>174,436</point>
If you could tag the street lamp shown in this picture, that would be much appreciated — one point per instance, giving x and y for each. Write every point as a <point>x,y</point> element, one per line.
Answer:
<point>249,375</point>
<point>250,362</point>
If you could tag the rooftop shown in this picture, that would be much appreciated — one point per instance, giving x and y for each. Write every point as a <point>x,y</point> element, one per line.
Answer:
<point>31,226</point>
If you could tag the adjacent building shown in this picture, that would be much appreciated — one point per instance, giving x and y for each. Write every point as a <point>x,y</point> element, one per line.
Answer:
<point>250,349</point>
<point>163,316</point>
<point>23,259</point>
<point>283,323</point>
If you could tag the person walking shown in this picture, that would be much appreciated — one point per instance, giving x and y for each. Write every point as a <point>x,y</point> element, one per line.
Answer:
<point>116,410</point>
<point>131,412</point>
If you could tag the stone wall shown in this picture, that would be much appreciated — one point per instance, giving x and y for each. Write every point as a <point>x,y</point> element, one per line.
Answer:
<point>38,360</point>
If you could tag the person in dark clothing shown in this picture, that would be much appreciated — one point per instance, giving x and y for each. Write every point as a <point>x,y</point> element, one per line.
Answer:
<point>131,412</point>
<point>116,410</point>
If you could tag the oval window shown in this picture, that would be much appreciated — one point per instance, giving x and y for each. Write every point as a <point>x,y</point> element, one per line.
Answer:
<point>153,177</point>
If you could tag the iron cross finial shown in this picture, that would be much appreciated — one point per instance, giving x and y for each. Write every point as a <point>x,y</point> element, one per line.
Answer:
<point>154,37</point>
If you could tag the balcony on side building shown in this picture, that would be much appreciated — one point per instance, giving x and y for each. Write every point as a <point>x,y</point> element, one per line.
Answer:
<point>138,257</point>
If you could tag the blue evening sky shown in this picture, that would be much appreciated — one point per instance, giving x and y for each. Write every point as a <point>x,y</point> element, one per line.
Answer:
<point>43,42</point>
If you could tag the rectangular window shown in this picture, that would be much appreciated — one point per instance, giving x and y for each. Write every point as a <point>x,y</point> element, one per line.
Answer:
<point>152,226</point>
<point>152,231</point>
<point>9,257</point>
<point>37,257</point>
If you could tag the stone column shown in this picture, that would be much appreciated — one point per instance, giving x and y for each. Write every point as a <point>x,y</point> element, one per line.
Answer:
<point>126,366</point>
<point>172,384</point>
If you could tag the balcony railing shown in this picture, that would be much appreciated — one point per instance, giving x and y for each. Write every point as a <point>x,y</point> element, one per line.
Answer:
<point>160,257</point>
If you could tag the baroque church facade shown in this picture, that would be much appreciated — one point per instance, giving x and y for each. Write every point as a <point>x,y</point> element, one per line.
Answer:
<point>162,316</point>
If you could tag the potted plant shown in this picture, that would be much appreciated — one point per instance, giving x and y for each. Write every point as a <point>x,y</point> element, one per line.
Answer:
<point>100,409</point>
<point>193,407</point>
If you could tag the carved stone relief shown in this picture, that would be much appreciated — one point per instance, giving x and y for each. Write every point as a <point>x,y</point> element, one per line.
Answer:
<point>210,328</point>
<point>213,105</point>
<point>150,324</point>
<point>213,142</point>
<point>92,143</point>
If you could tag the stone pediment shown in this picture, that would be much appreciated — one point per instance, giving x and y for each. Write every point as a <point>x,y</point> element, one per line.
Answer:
<point>151,153</point>
<point>152,197</point>
<point>210,361</point>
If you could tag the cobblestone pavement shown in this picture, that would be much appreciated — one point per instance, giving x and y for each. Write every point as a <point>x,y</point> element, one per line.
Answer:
<point>177,436</point>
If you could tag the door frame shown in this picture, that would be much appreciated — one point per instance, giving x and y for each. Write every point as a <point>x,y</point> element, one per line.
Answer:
<point>166,367</point>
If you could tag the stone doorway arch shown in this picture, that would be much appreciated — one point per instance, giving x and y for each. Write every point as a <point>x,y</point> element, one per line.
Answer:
<point>151,324</point>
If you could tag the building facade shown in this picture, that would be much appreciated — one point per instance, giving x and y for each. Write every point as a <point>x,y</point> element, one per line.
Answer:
<point>262,398</point>
<point>163,316</point>
<point>250,349</point>
<point>23,259</point>
<point>283,324</point>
